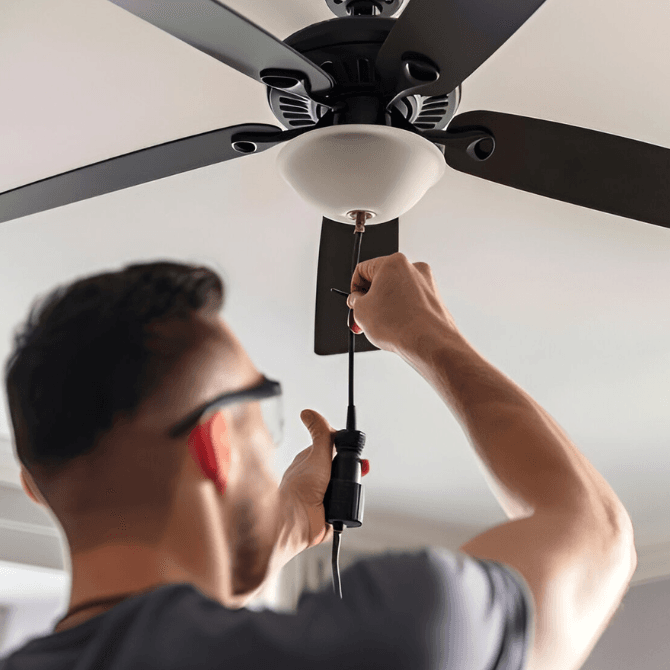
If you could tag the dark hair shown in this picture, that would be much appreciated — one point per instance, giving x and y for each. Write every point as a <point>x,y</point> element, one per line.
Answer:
<point>85,355</point>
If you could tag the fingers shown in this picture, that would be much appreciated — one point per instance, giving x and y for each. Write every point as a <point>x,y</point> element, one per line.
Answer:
<point>364,272</point>
<point>355,328</point>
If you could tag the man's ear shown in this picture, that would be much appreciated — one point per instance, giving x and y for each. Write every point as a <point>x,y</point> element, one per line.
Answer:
<point>210,448</point>
<point>30,487</point>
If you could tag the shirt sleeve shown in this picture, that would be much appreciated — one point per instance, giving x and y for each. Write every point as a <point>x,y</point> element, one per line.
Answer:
<point>431,609</point>
<point>489,618</point>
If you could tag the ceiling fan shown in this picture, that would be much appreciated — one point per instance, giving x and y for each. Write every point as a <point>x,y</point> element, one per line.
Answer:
<point>367,103</point>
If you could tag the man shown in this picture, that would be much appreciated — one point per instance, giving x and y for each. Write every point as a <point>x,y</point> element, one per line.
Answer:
<point>226,545</point>
<point>175,546</point>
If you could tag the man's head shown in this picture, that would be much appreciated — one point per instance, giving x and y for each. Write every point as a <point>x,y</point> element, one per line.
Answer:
<point>97,378</point>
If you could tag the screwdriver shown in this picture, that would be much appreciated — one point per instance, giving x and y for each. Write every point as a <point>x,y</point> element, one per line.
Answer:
<point>345,497</point>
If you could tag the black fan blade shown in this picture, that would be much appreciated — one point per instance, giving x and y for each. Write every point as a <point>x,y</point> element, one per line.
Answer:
<point>584,167</point>
<point>457,35</point>
<point>331,332</point>
<point>227,36</point>
<point>137,167</point>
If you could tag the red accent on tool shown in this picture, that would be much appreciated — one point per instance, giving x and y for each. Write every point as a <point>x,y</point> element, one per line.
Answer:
<point>365,466</point>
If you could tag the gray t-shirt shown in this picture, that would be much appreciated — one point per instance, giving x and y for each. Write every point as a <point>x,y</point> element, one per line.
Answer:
<point>428,609</point>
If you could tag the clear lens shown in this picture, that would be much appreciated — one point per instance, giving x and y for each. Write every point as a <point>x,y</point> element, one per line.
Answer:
<point>273,416</point>
<point>247,416</point>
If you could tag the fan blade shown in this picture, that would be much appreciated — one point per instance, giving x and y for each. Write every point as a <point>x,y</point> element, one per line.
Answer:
<point>331,332</point>
<point>457,35</point>
<point>227,36</point>
<point>137,167</point>
<point>584,167</point>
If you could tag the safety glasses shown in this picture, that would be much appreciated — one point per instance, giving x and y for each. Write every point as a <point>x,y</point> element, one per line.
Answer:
<point>263,399</point>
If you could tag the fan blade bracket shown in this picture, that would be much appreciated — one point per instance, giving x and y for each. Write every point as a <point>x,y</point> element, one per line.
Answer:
<point>242,141</point>
<point>292,81</point>
<point>478,143</point>
<point>249,142</point>
<point>417,71</point>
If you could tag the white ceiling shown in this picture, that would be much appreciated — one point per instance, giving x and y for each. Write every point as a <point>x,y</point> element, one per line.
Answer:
<point>570,303</point>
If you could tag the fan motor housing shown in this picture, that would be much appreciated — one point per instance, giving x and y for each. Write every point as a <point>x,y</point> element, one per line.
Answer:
<point>346,48</point>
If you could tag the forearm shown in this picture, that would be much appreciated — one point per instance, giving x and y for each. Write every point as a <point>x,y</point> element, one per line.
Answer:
<point>532,461</point>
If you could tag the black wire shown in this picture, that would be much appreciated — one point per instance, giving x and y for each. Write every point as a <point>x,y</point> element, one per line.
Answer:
<point>337,585</point>
<point>351,422</point>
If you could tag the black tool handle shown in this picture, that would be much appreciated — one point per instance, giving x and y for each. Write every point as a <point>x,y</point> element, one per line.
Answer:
<point>345,496</point>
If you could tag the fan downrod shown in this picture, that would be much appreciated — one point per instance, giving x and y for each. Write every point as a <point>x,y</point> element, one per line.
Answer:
<point>384,8</point>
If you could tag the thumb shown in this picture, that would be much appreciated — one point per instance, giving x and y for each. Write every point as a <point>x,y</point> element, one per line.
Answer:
<point>317,426</point>
<point>314,422</point>
<point>307,418</point>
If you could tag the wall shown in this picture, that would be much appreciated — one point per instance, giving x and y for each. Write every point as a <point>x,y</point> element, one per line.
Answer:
<point>637,636</point>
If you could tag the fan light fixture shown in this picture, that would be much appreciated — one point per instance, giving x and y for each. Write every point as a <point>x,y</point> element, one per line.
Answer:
<point>379,169</point>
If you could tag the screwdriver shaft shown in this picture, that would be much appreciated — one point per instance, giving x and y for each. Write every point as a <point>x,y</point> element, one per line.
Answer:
<point>361,217</point>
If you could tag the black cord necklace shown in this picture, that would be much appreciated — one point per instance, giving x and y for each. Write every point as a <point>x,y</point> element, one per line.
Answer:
<point>101,601</point>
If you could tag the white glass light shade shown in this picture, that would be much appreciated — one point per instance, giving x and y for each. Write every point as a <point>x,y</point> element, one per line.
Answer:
<point>379,169</point>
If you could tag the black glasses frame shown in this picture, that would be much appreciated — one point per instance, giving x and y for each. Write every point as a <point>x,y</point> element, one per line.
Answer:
<point>265,389</point>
